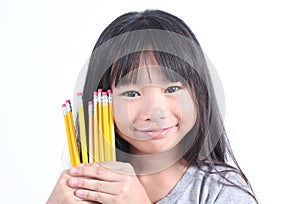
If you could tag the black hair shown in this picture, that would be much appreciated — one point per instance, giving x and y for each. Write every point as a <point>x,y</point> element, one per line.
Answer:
<point>111,61</point>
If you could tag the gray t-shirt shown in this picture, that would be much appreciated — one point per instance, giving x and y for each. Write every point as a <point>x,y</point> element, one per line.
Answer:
<point>196,186</point>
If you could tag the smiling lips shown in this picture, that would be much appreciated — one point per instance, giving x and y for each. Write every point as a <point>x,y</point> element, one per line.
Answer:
<point>156,134</point>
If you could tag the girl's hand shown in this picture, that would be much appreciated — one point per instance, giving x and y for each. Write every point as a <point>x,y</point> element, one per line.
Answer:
<point>108,182</point>
<point>64,193</point>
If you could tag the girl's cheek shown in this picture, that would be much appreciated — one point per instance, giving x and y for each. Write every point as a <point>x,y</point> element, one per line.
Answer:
<point>188,108</point>
<point>124,114</point>
<point>126,110</point>
<point>132,110</point>
<point>175,106</point>
<point>120,117</point>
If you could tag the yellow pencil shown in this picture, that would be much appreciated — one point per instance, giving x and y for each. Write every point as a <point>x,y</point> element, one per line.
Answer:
<point>72,132</point>
<point>100,128</point>
<point>91,133</point>
<point>105,122</point>
<point>82,129</point>
<point>111,126</point>
<point>72,159</point>
<point>96,129</point>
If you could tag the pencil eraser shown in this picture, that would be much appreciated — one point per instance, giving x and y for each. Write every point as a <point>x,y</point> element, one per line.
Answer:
<point>109,91</point>
<point>99,90</point>
<point>64,105</point>
<point>90,103</point>
<point>79,94</point>
<point>104,94</point>
<point>68,101</point>
<point>95,93</point>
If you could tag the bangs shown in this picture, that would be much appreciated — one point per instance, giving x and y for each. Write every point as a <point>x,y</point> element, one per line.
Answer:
<point>125,70</point>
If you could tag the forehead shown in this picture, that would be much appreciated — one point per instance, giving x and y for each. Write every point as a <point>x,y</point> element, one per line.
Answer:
<point>148,72</point>
<point>148,67</point>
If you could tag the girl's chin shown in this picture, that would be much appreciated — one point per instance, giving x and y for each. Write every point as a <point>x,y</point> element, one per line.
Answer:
<point>148,151</point>
<point>152,149</point>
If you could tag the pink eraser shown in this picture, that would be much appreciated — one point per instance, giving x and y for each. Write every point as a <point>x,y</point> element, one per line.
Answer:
<point>64,105</point>
<point>95,93</point>
<point>90,102</point>
<point>99,90</point>
<point>109,91</point>
<point>68,101</point>
<point>104,94</point>
<point>79,94</point>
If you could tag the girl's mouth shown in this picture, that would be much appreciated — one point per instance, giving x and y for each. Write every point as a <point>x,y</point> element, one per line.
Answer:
<point>157,133</point>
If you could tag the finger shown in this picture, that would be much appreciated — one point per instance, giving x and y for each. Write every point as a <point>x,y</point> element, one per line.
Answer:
<point>97,171</point>
<point>120,167</point>
<point>62,182</point>
<point>108,187</point>
<point>95,196</point>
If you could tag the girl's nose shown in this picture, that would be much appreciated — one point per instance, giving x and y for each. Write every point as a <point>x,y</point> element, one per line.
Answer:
<point>156,114</point>
<point>154,105</point>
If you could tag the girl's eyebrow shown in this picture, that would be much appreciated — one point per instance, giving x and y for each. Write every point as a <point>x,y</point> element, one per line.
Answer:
<point>128,85</point>
<point>137,86</point>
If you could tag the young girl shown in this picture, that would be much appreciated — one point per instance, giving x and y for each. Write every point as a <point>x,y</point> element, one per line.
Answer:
<point>170,140</point>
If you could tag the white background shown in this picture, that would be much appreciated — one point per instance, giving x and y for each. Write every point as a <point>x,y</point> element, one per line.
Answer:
<point>254,46</point>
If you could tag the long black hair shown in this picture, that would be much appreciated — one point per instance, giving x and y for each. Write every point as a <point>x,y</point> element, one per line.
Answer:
<point>118,51</point>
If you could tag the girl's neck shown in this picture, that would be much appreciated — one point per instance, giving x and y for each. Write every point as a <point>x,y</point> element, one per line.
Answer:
<point>153,163</point>
<point>160,184</point>
<point>160,172</point>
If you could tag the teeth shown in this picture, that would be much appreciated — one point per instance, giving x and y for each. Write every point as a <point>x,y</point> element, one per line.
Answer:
<point>153,133</point>
<point>156,133</point>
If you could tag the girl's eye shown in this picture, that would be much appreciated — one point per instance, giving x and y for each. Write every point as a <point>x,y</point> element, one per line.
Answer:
<point>172,89</point>
<point>131,94</point>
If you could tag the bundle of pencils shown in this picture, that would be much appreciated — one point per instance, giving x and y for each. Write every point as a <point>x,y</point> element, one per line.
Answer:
<point>101,133</point>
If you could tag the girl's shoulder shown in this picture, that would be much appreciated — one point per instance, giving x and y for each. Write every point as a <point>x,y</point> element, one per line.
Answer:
<point>222,184</point>
<point>221,175</point>
<point>210,185</point>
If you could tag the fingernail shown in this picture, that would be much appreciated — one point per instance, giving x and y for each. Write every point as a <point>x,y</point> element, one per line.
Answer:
<point>79,193</point>
<point>73,182</point>
<point>73,170</point>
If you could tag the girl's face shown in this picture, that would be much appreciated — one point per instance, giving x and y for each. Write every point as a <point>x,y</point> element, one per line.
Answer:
<point>153,114</point>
